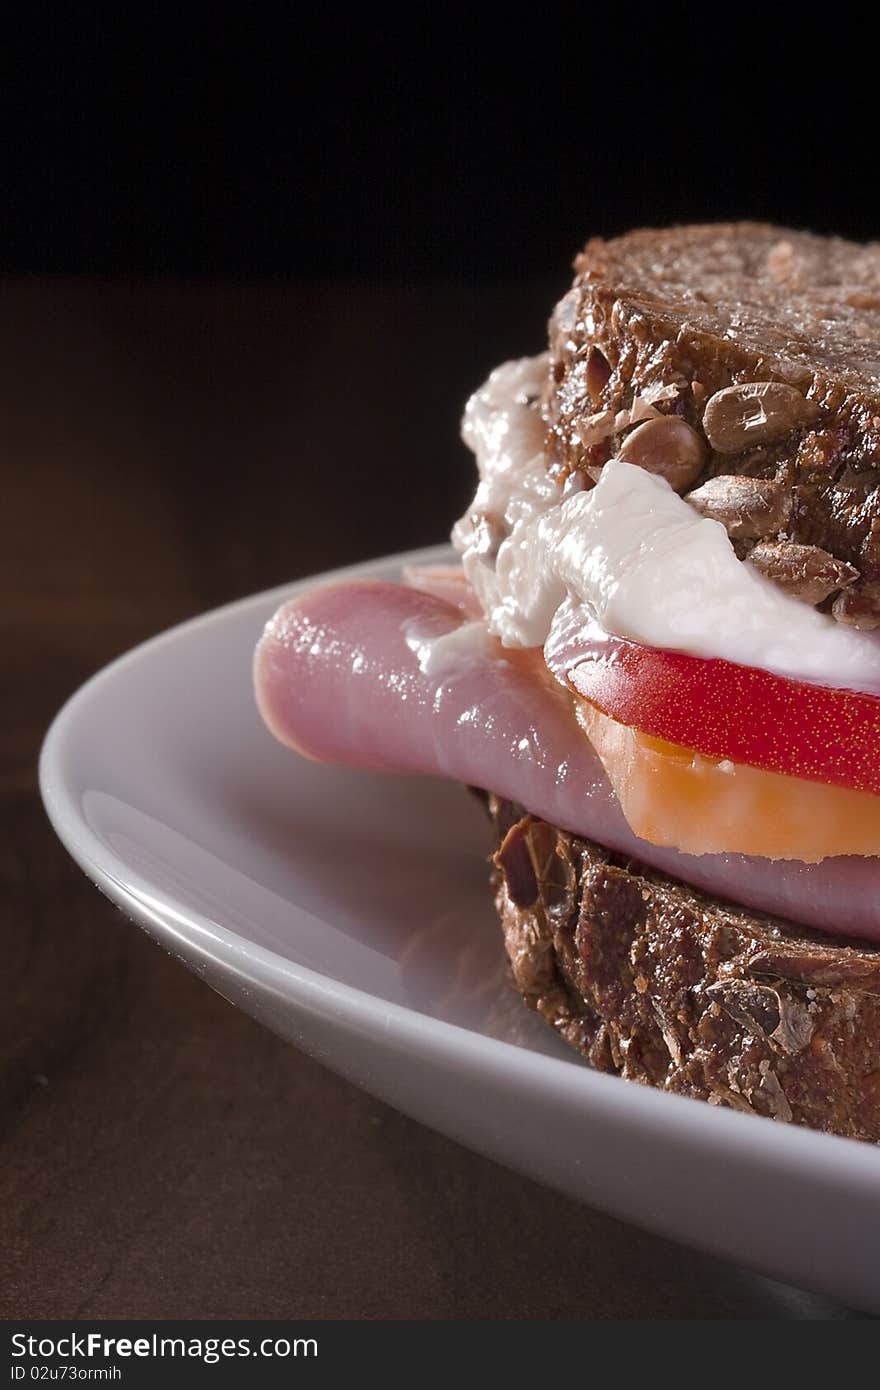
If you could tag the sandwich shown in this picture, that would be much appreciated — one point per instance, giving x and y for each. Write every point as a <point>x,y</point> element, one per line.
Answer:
<point>658,662</point>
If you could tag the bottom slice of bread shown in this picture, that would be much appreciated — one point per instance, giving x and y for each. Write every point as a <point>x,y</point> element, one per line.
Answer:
<point>660,983</point>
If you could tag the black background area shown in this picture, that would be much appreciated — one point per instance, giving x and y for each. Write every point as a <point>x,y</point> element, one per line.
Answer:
<point>453,145</point>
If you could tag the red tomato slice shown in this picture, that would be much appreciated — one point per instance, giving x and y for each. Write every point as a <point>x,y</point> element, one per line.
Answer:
<point>728,711</point>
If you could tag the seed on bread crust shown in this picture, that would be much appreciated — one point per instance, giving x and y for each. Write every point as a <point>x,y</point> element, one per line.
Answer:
<point>755,412</point>
<point>598,374</point>
<point>748,508</point>
<point>768,1013</point>
<point>668,446</point>
<point>859,607</point>
<point>804,571</point>
<point>592,429</point>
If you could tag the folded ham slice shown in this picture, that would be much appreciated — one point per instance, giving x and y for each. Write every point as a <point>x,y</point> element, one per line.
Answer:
<point>379,676</point>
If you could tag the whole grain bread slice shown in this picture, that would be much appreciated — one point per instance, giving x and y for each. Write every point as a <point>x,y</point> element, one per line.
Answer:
<point>658,323</point>
<point>662,984</point>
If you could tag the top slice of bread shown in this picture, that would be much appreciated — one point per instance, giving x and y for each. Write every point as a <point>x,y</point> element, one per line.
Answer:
<point>807,305</point>
<point>698,309</point>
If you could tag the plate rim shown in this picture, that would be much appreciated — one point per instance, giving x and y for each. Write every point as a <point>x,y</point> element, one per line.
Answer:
<point>792,1147</point>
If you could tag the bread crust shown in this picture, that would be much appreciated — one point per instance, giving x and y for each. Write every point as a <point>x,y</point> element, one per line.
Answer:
<point>700,309</point>
<point>659,983</point>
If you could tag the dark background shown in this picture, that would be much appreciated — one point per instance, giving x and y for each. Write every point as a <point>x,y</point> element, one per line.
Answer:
<point>464,144</point>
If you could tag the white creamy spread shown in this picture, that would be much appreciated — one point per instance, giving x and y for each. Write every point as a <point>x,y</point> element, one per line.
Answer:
<point>453,651</point>
<point>631,551</point>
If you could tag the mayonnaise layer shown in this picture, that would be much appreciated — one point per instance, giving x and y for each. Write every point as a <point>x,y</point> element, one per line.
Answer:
<point>631,551</point>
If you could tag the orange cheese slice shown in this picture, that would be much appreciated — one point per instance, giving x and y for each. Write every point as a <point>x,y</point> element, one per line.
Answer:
<point>673,796</point>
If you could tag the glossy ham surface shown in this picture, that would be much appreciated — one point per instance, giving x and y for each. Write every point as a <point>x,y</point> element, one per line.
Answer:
<point>378,676</point>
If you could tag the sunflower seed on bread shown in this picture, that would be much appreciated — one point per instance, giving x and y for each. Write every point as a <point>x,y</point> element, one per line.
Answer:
<point>804,571</point>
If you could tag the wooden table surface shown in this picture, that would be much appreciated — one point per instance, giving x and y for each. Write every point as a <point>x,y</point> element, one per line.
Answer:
<point>168,447</point>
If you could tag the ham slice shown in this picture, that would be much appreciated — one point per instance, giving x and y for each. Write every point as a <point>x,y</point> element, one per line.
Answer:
<point>389,678</point>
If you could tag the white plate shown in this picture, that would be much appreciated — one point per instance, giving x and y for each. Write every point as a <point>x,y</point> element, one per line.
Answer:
<point>351,914</point>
